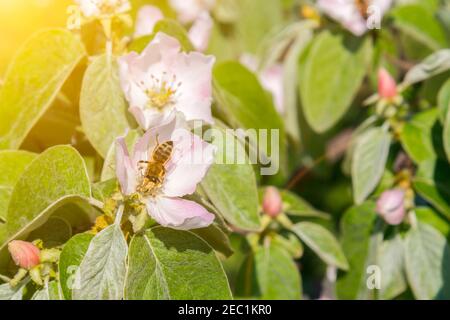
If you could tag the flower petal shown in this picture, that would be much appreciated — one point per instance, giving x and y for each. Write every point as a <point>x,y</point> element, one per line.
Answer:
<point>194,71</point>
<point>190,162</point>
<point>189,10</point>
<point>125,169</point>
<point>178,213</point>
<point>200,31</point>
<point>147,17</point>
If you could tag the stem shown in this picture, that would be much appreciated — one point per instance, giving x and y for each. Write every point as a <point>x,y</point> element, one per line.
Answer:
<point>119,214</point>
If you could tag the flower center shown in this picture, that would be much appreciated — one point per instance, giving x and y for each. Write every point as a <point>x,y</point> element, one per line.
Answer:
<point>162,91</point>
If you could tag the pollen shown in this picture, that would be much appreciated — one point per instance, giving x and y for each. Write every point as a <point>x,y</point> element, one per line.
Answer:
<point>162,92</point>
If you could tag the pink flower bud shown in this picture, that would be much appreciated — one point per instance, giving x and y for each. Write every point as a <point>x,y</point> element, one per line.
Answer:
<point>387,88</point>
<point>272,203</point>
<point>25,254</point>
<point>391,206</point>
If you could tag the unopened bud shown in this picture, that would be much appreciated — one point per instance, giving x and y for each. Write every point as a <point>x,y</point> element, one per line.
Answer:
<point>272,202</point>
<point>387,87</point>
<point>391,206</point>
<point>25,254</point>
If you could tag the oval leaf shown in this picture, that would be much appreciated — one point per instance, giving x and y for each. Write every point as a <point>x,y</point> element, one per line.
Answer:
<point>232,187</point>
<point>53,178</point>
<point>103,109</point>
<point>33,80</point>
<point>70,260</point>
<point>269,273</point>
<point>426,258</point>
<point>168,264</point>
<point>330,74</point>
<point>102,271</point>
<point>322,242</point>
<point>368,163</point>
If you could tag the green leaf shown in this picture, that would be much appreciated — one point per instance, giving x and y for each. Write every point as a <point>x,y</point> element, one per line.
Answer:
<point>426,257</point>
<point>304,35</point>
<point>421,24</point>
<point>232,187</point>
<point>103,268</point>
<point>322,242</point>
<point>390,257</point>
<point>330,74</point>
<point>69,261</point>
<point>54,178</point>
<point>51,291</point>
<point>12,165</point>
<point>434,64</point>
<point>216,238</point>
<point>429,216</point>
<point>369,160</point>
<point>446,134</point>
<point>245,104</point>
<point>432,182</point>
<point>105,189</point>
<point>168,264</point>
<point>270,274</point>
<point>443,101</point>
<point>420,136</point>
<point>296,206</point>
<point>168,26</point>
<point>357,241</point>
<point>103,109</point>
<point>34,78</point>
<point>9,293</point>
<point>254,21</point>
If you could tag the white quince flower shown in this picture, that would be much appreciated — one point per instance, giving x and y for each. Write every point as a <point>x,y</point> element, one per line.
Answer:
<point>103,8</point>
<point>199,33</point>
<point>189,162</point>
<point>354,14</point>
<point>162,79</point>
<point>189,10</point>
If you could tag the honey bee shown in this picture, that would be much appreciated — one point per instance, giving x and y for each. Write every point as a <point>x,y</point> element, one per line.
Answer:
<point>154,170</point>
<point>362,6</point>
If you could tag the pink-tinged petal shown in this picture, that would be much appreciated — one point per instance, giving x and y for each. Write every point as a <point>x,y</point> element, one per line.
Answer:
<point>147,143</point>
<point>189,10</point>
<point>200,31</point>
<point>190,162</point>
<point>250,61</point>
<point>147,18</point>
<point>391,206</point>
<point>387,87</point>
<point>346,13</point>
<point>178,213</point>
<point>194,71</point>
<point>25,254</point>
<point>272,80</point>
<point>125,169</point>
<point>272,203</point>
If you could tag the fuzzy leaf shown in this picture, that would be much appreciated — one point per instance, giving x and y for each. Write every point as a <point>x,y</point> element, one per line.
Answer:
<point>232,187</point>
<point>103,109</point>
<point>35,76</point>
<point>426,257</point>
<point>322,242</point>
<point>168,264</point>
<point>330,74</point>
<point>103,268</point>
<point>269,273</point>
<point>54,178</point>
<point>69,261</point>
<point>369,161</point>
